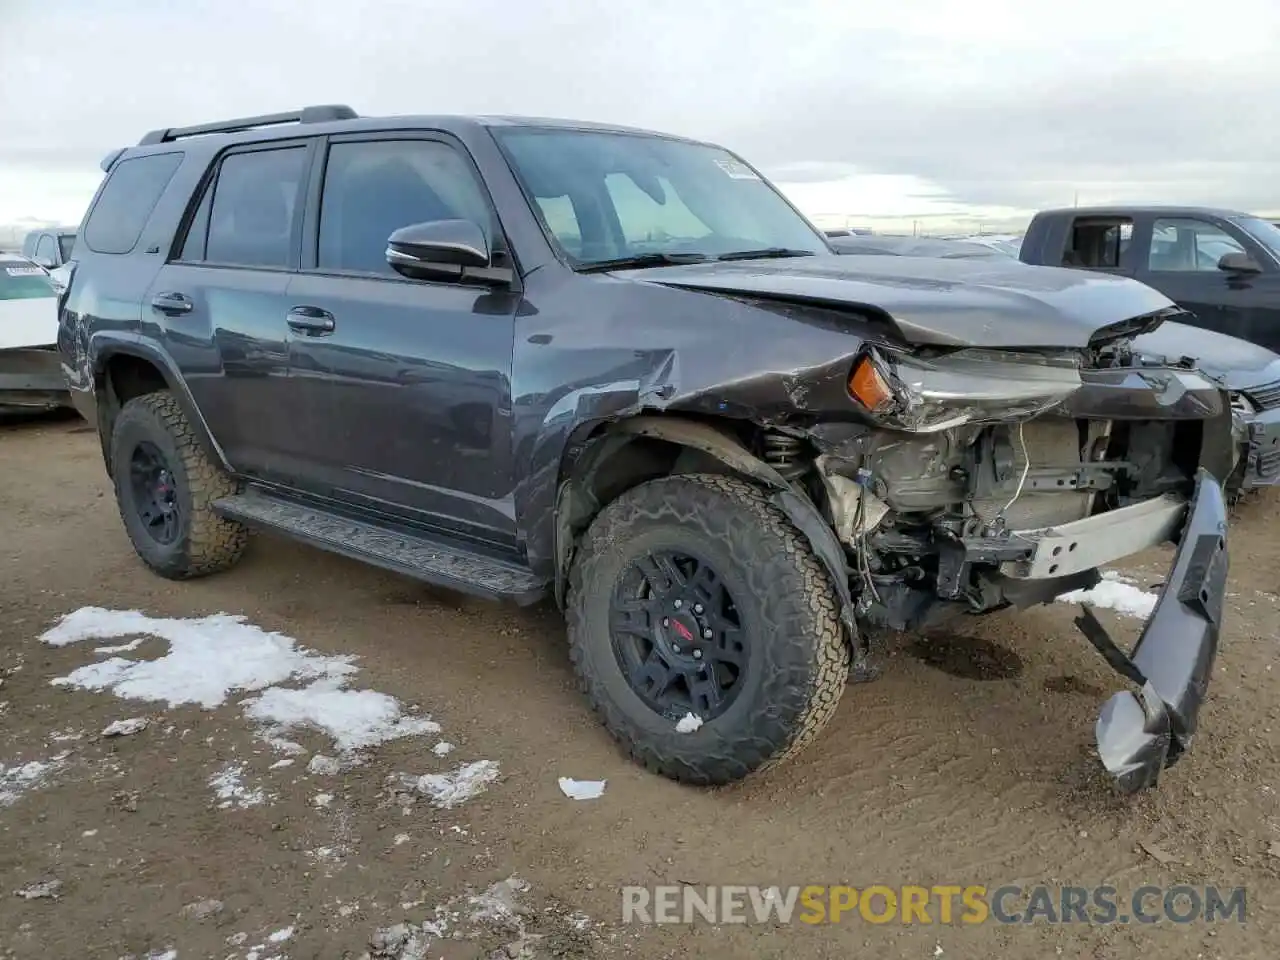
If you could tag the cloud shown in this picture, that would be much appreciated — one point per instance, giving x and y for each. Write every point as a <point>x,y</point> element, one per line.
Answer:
<point>988,103</point>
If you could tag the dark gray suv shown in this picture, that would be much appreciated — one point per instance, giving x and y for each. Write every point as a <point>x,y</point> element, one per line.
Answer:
<point>537,358</point>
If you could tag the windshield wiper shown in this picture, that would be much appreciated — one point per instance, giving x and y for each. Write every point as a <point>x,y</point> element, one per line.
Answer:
<point>643,260</point>
<point>767,253</point>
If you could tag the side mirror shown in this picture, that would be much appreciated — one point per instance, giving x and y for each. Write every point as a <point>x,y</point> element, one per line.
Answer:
<point>1238,263</point>
<point>45,262</point>
<point>437,247</point>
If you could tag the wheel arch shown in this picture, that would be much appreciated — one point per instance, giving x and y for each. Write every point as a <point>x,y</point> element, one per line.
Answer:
<point>123,371</point>
<point>623,454</point>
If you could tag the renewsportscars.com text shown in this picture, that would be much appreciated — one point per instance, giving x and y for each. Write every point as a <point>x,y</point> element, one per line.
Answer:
<point>973,904</point>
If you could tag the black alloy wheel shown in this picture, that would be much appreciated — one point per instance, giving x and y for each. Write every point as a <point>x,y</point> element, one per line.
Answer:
<point>678,635</point>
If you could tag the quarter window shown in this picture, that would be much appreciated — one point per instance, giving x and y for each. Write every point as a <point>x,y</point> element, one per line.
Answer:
<point>373,188</point>
<point>130,194</point>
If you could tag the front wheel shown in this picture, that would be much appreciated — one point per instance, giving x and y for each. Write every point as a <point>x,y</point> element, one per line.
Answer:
<point>703,629</point>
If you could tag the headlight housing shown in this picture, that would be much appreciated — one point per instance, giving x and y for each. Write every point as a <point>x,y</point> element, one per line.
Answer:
<point>969,386</point>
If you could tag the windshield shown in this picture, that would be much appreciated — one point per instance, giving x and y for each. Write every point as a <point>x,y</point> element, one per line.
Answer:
<point>1267,234</point>
<point>609,196</point>
<point>65,242</point>
<point>20,281</point>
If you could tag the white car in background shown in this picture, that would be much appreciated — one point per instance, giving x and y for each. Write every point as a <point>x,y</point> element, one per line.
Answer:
<point>31,378</point>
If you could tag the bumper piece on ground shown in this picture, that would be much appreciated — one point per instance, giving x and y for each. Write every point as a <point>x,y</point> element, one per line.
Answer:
<point>31,381</point>
<point>1140,735</point>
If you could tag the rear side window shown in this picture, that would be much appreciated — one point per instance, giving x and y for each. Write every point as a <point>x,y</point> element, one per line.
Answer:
<point>251,218</point>
<point>125,204</point>
<point>1098,243</point>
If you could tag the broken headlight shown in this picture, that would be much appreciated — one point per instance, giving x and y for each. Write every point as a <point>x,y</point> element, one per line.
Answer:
<point>969,386</point>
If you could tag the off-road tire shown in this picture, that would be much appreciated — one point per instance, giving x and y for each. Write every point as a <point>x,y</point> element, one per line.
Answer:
<point>798,659</point>
<point>206,542</point>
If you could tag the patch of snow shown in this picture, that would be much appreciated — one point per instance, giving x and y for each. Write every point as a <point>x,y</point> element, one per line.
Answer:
<point>324,766</point>
<point>498,903</point>
<point>688,723</point>
<point>447,790</point>
<point>354,718</point>
<point>44,890</point>
<point>582,789</point>
<point>124,728</point>
<point>228,786</point>
<point>17,780</point>
<point>132,645</point>
<point>64,737</point>
<point>287,747</point>
<point>208,657</point>
<point>442,749</point>
<point>322,800</point>
<point>170,954</point>
<point>1116,593</point>
<point>281,764</point>
<point>401,838</point>
<point>280,936</point>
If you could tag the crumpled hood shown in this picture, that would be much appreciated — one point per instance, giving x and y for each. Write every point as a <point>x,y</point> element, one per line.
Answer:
<point>995,303</point>
<point>1237,362</point>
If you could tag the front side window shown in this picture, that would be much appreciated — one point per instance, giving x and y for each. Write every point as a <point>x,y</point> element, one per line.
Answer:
<point>251,220</point>
<point>1185,245</point>
<point>372,188</point>
<point>606,196</point>
<point>1265,232</point>
<point>132,190</point>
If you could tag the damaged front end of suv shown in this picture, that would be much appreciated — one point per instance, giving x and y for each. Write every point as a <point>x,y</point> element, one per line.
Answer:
<point>988,479</point>
<point>969,471</point>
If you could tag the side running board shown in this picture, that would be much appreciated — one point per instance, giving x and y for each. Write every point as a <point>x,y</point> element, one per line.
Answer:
<point>445,563</point>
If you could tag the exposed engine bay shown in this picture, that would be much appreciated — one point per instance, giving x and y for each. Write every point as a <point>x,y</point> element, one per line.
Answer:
<point>1001,479</point>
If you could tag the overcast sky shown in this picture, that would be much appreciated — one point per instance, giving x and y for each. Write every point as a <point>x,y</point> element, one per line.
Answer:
<point>910,109</point>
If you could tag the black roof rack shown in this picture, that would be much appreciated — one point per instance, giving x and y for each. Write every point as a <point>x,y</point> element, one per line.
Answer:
<point>318,114</point>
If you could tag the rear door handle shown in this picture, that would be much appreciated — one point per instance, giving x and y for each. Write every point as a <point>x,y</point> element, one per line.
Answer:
<point>311,320</point>
<point>172,303</point>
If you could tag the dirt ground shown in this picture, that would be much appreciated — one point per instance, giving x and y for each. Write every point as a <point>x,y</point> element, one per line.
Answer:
<point>968,762</point>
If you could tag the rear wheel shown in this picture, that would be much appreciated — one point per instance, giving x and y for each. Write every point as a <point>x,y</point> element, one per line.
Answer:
<point>165,485</point>
<point>693,599</point>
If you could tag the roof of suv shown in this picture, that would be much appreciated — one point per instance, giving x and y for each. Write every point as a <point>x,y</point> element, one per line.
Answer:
<point>339,118</point>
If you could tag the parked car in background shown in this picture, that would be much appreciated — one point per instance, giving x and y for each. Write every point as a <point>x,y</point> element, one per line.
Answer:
<point>31,377</point>
<point>50,247</point>
<point>1221,266</point>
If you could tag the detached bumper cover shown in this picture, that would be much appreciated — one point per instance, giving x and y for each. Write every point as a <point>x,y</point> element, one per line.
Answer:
<point>31,379</point>
<point>1139,734</point>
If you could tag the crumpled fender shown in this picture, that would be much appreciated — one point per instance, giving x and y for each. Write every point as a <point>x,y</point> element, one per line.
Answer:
<point>798,508</point>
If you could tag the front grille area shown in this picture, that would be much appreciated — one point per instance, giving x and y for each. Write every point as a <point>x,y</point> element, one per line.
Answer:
<point>1265,396</point>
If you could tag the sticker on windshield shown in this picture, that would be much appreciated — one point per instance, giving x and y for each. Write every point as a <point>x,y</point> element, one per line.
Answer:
<point>736,170</point>
<point>24,271</point>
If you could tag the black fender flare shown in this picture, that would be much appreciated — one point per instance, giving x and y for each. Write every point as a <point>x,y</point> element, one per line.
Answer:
<point>796,505</point>
<point>103,350</point>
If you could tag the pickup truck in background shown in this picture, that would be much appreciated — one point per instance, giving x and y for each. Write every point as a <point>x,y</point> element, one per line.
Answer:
<point>1221,266</point>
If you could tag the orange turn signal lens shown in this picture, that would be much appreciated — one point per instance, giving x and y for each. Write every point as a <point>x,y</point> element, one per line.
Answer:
<point>868,386</point>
